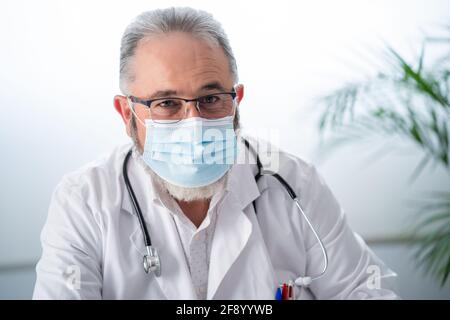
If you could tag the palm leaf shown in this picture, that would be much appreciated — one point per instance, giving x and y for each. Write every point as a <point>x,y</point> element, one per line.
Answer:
<point>411,102</point>
<point>433,234</point>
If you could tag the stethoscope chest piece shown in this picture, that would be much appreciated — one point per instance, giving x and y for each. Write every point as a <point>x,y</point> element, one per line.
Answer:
<point>151,261</point>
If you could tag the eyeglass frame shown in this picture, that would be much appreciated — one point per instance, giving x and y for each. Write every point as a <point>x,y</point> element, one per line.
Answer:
<point>147,103</point>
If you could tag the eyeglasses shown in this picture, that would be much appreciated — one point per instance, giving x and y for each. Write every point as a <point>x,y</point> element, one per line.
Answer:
<point>211,106</point>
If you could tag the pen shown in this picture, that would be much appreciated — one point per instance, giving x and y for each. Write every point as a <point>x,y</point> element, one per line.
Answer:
<point>291,290</point>
<point>284,292</point>
<point>278,295</point>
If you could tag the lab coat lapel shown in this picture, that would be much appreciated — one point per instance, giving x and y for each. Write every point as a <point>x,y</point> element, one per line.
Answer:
<point>235,232</point>
<point>230,237</point>
<point>175,280</point>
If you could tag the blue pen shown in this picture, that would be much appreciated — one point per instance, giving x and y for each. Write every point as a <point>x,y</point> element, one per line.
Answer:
<point>278,295</point>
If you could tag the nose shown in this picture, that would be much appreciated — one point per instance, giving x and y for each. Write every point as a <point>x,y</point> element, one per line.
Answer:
<point>192,110</point>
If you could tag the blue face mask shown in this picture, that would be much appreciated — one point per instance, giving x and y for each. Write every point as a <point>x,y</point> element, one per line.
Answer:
<point>193,152</point>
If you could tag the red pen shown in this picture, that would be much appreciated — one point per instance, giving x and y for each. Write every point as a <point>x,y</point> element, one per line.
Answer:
<point>284,292</point>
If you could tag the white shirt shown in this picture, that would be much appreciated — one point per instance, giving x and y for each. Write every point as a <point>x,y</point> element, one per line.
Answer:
<point>197,248</point>
<point>196,242</point>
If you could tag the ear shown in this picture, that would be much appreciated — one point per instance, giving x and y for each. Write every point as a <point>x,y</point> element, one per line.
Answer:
<point>239,92</point>
<point>122,107</point>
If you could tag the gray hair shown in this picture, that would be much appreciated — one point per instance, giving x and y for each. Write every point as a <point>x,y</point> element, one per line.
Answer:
<point>196,22</point>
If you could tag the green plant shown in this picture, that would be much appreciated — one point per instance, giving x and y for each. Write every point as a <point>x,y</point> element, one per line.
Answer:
<point>409,101</point>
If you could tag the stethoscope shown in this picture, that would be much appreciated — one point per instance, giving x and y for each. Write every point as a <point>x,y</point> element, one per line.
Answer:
<point>151,259</point>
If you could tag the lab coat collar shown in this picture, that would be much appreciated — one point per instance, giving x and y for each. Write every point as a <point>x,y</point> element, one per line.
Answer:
<point>241,183</point>
<point>143,186</point>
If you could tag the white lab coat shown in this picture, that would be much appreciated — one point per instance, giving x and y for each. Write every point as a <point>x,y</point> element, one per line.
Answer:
<point>92,229</point>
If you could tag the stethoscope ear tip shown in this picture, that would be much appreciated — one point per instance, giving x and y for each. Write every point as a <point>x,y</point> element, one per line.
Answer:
<point>303,281</point>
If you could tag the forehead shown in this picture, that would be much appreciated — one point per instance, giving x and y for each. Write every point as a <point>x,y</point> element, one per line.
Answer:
<point>178,62</point>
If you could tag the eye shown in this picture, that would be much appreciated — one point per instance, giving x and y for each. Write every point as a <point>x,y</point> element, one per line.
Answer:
<point>169,103</point>
<point>208,99</point>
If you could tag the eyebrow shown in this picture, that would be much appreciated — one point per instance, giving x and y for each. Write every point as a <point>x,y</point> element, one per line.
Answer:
<point>211,86</point>
<point>162,94</point>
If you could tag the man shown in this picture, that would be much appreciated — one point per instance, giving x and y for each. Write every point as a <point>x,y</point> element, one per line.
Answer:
<point>215,232</point>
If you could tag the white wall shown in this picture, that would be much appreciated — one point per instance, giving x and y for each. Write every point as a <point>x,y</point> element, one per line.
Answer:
<point>59,72</point>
